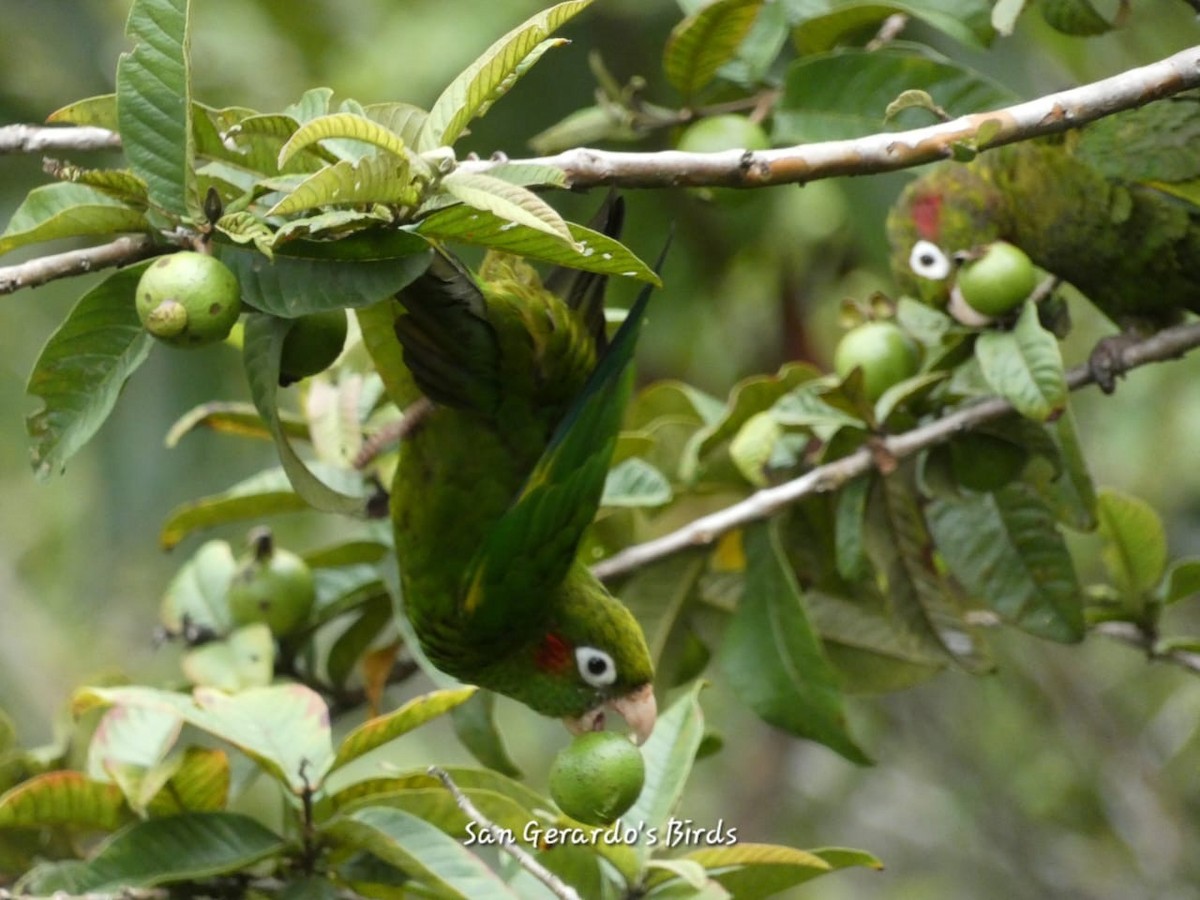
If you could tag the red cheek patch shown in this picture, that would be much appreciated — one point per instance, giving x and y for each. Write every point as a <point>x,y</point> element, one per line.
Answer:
<point>927,216</point>
<point>553,655</point>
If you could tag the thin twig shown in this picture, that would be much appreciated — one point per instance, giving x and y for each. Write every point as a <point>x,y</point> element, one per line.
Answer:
<point>1167,344</point>
<point>1130,633</point>
<point>40,139</point>
<point>121,252</point>
<point>504,841</point>
<point>392,433</point>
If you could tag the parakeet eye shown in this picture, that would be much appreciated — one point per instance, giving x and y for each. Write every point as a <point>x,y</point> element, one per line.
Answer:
<point>928,261</point>
<point>595,666</point>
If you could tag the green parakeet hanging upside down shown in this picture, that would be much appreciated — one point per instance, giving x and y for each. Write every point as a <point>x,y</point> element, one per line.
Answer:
<point>495,488</point>
<point>1114,209</point>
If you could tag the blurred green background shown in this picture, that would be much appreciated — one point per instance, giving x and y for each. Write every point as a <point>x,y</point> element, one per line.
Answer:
<point>1070,773</point>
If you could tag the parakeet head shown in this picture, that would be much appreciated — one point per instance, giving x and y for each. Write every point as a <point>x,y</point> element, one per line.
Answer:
<point>591,658</point>
<point>951,211</point>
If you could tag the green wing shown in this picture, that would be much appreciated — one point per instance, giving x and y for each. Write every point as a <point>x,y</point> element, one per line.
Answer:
<point>449,345</point>
<point>529,551</point>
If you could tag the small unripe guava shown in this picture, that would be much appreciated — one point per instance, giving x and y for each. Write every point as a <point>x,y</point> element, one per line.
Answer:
<point>597,777</point>
<point>188,299</point>
<point>882,350</point>
<point>271,585</point>
<point>998,281</point>
<point>312,344</point>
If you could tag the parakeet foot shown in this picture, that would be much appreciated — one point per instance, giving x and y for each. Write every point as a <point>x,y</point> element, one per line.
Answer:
<point>1107,363</point>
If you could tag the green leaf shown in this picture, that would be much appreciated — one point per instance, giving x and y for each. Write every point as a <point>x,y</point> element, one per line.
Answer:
<point>372,619</point>
<point>923,599</point>
<point>1135,551</point>
<point>1024,366</point>
<point>1006,549</point>
<point>483,82</point>
<point>846,93</point>
<point>633,482</point>
<point>658,593</point>
<point>305,279</point>
<point>1005,14</point>
<point>753,871</point>
<point>139,737</point>
<point>773,658</point>
<point>819,24</point>
<point>63,798</point>
<point>1079,17</point>
<point>83,367</point>
<point>377,324</point>
<point>510,202</point>
<point>871,653</point>
<point>1181,582</point>
<point>589,250</point>
<point>200,783</point>
<point>266,494</point>
<point>475,725</point>
<point>419,850</point>
<point>243,660</point>
<point>188,847</point>
<point>669,754</point>
<point>706,40</point>
<point>285,728</point>
<point>472,781</point>
<point>753,447</point>
<point>372,179</point>
<point>65,210</point>
<point>343,125</point>
<point>263,350</point>
<point>154,105</point>
<point>231,418</point>
<point>852,562</point>
<point>383,729</point>
<point>100,111</point>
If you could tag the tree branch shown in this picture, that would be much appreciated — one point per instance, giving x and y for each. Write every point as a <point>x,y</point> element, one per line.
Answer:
<point>882,152</point>
<point>1130,633</point>
<point>40,139</point>
<point>524,859</point>
<point>121,252</point>
<point>1168,344</point>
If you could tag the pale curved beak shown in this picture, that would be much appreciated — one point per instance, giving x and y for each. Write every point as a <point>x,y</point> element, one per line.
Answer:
<point>638,708</point>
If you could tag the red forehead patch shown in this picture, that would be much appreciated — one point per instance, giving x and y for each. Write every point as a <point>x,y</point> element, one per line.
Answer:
<point>927,215</point>
<point>553,655</point>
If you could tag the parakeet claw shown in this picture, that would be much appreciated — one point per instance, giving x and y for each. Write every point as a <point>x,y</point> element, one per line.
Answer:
<point>1106,361</point>
<point>639,709</point>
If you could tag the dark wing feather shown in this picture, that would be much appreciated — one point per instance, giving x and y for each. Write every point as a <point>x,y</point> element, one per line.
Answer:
<point>449,344</point>
<point>584,291</point>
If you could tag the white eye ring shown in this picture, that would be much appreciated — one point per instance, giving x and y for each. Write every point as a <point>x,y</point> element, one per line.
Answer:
<point>928,261</point>
<point>595,666</point>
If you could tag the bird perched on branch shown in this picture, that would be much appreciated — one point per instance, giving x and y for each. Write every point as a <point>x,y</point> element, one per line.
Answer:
<point>497,485</point>
<point>1113,208</point>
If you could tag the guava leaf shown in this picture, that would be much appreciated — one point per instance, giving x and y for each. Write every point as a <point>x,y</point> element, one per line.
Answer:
<point>588,250</point>
<point>83,367</point>
<point>64,210</point>
<point>706,40</point>
<point>487,79</point>
<point>154,105</point>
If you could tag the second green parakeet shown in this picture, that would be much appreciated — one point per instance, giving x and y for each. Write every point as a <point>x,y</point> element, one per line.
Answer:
<point>1112,209</point>
<point>495,488</point>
